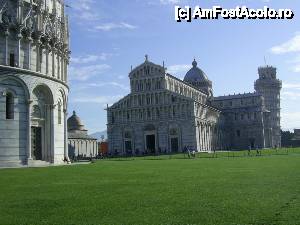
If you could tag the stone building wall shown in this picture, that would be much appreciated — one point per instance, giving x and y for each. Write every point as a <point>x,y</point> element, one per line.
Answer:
<point>201,122</point>
<point>82,148</point>
<point>34,56</point>
<point>163,107</point>
<point>269,87</point>
<point>244,115</point>
<point>24,85</point>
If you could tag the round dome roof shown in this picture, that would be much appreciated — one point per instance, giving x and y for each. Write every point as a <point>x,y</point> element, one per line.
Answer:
<point>195,74</point>
<point>74,122</point>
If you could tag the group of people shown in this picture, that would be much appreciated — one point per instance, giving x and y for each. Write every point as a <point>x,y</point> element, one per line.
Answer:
<point>258,151</point>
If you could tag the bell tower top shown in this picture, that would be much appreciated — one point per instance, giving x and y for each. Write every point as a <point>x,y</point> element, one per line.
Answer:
<point>267,72</point>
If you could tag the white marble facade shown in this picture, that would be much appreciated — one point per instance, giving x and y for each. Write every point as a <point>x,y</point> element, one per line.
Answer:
<point>34,57</point>
<point>164,114</point>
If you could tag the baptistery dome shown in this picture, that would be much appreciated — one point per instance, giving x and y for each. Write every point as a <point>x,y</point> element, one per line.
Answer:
<point>80,144</point>
<point>74,123</point>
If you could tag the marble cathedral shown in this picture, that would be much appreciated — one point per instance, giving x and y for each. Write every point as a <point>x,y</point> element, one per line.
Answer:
<point>34,57</point>
<point>165,114</point>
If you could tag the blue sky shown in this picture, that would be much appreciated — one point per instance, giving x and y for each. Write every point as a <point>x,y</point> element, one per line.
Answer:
<point>108,36</point>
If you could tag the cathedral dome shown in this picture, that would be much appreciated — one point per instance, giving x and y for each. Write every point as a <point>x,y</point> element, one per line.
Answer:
<point>74,122</point>
<point>195,74</point>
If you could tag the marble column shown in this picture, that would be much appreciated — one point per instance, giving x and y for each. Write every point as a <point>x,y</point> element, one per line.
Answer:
<point>66,71</point>
<point>48,135</point>
<point>202,140</point>
<point>38,59</point>
<point>6,47</point>
<point>204,137</point>
<point>53,62</point>
<point>47,59</point>
<point>66,155</point>
<point>58,66</point>
<point>207,137</point>
<point>200,137</point>
<point>211,138</point>
<point>29,54</point>
<point>29,156</point>
<point>62,68</point>
<point>52,133</point>
<point>19,37</point>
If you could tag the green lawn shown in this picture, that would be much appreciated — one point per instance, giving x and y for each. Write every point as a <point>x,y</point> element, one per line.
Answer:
<point>165,190</point>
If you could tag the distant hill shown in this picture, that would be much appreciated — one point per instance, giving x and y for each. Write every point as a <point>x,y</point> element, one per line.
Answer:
<point>98,135</point>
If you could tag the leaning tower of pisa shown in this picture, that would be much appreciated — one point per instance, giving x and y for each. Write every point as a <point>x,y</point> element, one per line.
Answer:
<point>269,87</point>
<point>34,58</point>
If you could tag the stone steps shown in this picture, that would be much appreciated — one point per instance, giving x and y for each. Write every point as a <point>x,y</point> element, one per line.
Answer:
<point>38,163</point>
<point>11,164</point>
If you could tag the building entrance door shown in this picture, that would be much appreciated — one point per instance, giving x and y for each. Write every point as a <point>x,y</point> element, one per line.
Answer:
<point>36,143</point>
<point>174,145</point>
<point>150,143</point>
<point>128,147</point>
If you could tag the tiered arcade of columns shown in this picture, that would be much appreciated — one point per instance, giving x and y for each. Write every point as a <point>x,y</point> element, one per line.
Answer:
<point>35,36</point>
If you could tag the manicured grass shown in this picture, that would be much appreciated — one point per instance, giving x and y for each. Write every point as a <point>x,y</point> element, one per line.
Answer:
<point>163,190</point>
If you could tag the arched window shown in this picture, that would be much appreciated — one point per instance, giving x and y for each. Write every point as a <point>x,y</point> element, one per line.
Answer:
<point>9,106</point>
<point>59,113</point>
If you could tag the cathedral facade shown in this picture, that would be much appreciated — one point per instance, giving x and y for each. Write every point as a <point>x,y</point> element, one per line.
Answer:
<point>164,114</point>
<point>34,58</point>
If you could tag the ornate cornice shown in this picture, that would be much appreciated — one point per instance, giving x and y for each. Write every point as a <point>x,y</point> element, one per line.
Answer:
<point>32,73</point>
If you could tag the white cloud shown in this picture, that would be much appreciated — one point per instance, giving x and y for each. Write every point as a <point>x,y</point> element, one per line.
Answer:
<point>290,120</point>
<point>82,4</point>
<point>114,84</point>
<point>113,26</point>
<point>83,86</point>
<point>97,99</point>
<point>121,77</point>
<point>165,2</point>
<point>291,91</point>
<point>292,45</point>
<point>291,95</point>
<point>178,70</point>
<point>83,59</point>
<point>85,72</point>
<point>296,68</point>
<point>83,10</point>
<point>291,86</point>
<point>85,13</point>
<point>295,60</point>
